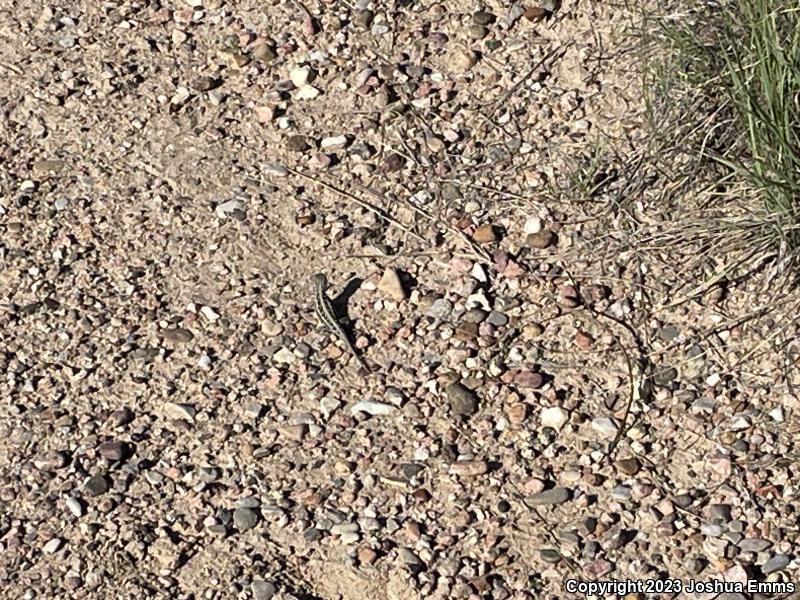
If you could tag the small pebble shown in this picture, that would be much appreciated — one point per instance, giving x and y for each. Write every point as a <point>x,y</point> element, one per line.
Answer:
<point>52,546</point>
<point>541,239</point>
<point>628,466</point>
<point>299,76</point>
<point>121,416</point>
<point>307,92</point>
<point>393,163</point>
<point>536,14</point>
<point>604,426</point>
<point>777,563</point>
<point>391,285</point>
<point>463,401</point>
<point>462,61</point>
<point>204,83</point>
<point>554,417</point>
<point>178,335</point>
<point>557,495</point>
<point>74,505</point>
<point>469,468</point>
<point>754,544</point>
<point>244,519</point>
<point>96,485</point>
<point>51,461</point>
<point>485,234</point>
<point>583,340</point>
<point>483,17</point>
<point>297,143</point>
<point>263,590</point>
<point>621,493</point>
<point>264,53</point>
<point>407,557</point>
<point>529,379</point>
<point>371,407</point>
<point>177,411</point>
<point>337,142</point>
<point>111,450</point>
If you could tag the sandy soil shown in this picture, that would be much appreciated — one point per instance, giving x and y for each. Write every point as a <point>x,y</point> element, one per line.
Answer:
<point>548,398</point>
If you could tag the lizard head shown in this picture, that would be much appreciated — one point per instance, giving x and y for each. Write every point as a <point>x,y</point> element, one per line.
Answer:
<point>320,280</point>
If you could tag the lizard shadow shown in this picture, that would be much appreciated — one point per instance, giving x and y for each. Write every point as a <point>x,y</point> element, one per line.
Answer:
<point>339,302</point>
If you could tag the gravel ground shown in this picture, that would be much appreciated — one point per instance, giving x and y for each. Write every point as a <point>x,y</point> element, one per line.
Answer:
<point>544,401</point>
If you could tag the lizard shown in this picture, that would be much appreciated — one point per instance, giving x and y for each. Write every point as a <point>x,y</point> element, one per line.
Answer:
<point>327,316</point>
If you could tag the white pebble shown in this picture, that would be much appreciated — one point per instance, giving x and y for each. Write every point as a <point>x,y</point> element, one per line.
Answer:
<point>777,414</point>
<point>173,410</point>
<point>554,417</point>
<point>329,405</point>
<point>606,427</point>
<point>533,225</point>
<point>264,114</point>
<point>276,170</point>
<point>182,94</point>
<point>478,273</point>
<point>450,135</point>
<point>299,76</point>
<point>284,355</point>
<point>209,313</point>
<point>349,538</point>
<point>740,423</point>
<point>178,37</point>
<point>478,300</point>
<point>581,126</point>
<point>472,206</point>
<point>421,197</point>
<point>225,208</point>
<point>371,407</point>
<point>422,454</point>
<point>74,506</point>
<point>334,143</point>
<point>391,285</point>
<point>307,92</point>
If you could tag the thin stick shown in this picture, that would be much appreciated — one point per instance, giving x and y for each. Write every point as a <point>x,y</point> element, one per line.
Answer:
<point>556,53</point>
<point>10,67</point>
<point>363,203</point>
<point>480,252</point>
